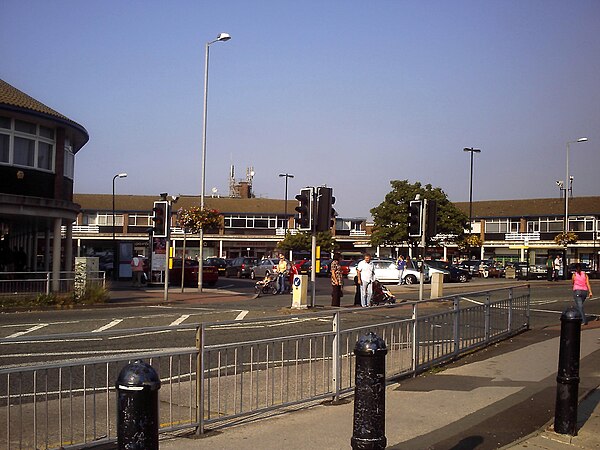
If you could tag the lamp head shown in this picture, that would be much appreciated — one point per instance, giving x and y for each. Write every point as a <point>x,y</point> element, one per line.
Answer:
<point>223,37</point>
<point>474,150</point>
<point>122,175</point>
<point>582,139</point>
<point>559,183</point>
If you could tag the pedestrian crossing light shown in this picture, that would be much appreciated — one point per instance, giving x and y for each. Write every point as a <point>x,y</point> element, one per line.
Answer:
<point>415,210</point>
<point>325,212</point>
<point>304,209</point>
<point>159,217</point>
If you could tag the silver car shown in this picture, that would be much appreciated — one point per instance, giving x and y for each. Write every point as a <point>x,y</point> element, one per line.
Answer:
<point>264,267</point>
<point>386,271</point>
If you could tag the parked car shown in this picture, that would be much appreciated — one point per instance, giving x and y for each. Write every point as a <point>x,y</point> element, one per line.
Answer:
<point>455,274</point>
<point>325,270</point>
<point>345,266</point>
<point>386,271</point>
<point>219,263</point>
<point>585,267</point>
<point>264,267</point>
<point>210,274</point>
<point>240,267</point>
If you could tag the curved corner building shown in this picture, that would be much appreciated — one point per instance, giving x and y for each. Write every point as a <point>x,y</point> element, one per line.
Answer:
<point>37,155</point>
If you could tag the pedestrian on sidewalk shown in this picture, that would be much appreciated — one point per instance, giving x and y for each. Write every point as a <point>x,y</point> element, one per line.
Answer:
<point>137,267</point>
<point>365,272</point>
<point>401,264</point>
<point>581,290</point>
<point>336,280</point>
<point>556,266</point>
<point>283,270</point>
<point>549,268</point>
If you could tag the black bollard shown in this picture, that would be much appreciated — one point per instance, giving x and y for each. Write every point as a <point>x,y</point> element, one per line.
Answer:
<point>137,407</point>
<point>369,394</point>
<point>565,414</point>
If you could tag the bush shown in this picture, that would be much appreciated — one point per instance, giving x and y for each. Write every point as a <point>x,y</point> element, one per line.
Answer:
<point>93,293</point>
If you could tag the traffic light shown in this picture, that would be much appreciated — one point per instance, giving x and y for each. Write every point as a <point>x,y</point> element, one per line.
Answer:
<point>415,210</point>
<point>160,219</point>
<point>431,229</point>
<point>304,209</point>
<point>325,212</point>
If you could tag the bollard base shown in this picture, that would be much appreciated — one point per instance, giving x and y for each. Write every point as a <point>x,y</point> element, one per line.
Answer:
<point>368,444</point>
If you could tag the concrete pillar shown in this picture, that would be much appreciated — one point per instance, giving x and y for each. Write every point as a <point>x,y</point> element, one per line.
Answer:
<point>69,248</point>
<point>56,241</point>
<point>46,249</point>
<point>437,285</point>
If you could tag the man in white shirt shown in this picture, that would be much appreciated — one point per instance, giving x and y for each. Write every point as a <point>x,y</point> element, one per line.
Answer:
<point>365,271</point>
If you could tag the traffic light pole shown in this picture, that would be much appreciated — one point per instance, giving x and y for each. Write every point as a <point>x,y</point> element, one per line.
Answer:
<point>168,252</point>
<point>313,252</point>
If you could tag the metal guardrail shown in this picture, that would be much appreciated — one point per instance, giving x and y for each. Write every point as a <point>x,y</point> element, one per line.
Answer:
<point>31,283</point>
<point>70,404</point>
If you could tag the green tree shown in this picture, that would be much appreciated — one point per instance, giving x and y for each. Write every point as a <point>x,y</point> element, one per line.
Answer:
<point>302,242</point>
<point>390,216</point>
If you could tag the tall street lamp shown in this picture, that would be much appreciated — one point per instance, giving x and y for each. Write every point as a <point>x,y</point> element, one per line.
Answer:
<point>567,179</point>
<point>222,37</point>
<point>114,241</point>
<point>471,150</point>
<point>286,175</point>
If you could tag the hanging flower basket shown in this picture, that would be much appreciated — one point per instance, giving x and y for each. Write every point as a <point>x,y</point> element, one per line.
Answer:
<point>195,219</point>
<point>471,241</point>
<point>565,239</point>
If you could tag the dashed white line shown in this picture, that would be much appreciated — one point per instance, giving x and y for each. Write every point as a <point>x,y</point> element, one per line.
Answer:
<point>108,325</point>
<point>181,319</point>
<point>241,315</point>
<point>29,330</point>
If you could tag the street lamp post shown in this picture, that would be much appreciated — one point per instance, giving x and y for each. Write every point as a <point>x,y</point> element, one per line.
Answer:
<point>114,241</point>
<point>471,150</point>
<point>566,223</point>
<point>222,37</point>
<point>286,175</point>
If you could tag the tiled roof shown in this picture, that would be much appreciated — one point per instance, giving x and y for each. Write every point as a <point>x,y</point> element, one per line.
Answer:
<point>10,95</point>
<point>12,98</point>
<point>532,207</point>
<point>103,202</point>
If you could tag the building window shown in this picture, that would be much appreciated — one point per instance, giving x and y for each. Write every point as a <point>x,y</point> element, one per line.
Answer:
<point>27,144</point>
<point>139,220</point>
<point>45,156</point>
<point>496,226</point>
<point>24,152</point>
<point>69,163</point>
<point>4,148</point>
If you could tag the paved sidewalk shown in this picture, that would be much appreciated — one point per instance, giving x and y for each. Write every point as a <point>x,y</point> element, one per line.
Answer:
<point>484,401</point>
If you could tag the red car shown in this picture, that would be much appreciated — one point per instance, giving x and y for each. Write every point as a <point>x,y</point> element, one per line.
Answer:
<point>210,274</point>
<point>345,266</point>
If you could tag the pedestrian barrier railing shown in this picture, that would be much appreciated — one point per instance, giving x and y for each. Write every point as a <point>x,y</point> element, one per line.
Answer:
<point>217,382</point>
<point>31,283</point>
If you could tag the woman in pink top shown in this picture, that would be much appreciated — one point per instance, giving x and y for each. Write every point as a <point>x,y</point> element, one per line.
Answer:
<point>581,289</point>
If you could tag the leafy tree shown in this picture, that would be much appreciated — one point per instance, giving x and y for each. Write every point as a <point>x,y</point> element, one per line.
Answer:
<point>302,241</point>
<point>391,215</point>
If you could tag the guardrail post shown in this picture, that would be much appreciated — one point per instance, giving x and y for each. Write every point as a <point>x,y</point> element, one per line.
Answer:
<point>200,379</point>
<point>528,312</point>
<point>335,357</point>
<point>510,309</point>
<point>47,283</point>
<point>565,415</point>
<point>137,407</point>
<point>456,310</point>
<point>369,394</point>
<point>487,314</point>
<point>415,341</point>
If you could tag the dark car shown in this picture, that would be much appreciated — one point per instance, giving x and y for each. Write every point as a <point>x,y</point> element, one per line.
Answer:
<point>471,266</point>
<point>210,274</point>
<point>585,267</point>
<point>240,267</point>
<point>219,263</point>
<point>455,274</point>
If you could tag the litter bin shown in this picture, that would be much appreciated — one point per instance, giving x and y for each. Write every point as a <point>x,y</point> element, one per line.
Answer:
<point>137,407</point>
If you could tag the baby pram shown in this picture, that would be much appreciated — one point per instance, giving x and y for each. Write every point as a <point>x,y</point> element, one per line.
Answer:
<point>266,286</point>
<point>382,295</point>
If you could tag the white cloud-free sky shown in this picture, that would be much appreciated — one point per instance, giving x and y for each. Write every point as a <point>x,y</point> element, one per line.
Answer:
<point>347,93</point>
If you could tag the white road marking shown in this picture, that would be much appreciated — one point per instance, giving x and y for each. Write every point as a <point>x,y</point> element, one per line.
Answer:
<point>546,311</point>
<point>86,353</point>
<point>181,319</point>
<point>29,330</point>
<point>241,315</point>
<point>108,325</point>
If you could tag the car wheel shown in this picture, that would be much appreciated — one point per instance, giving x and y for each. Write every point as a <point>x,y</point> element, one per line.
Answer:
<point>410,279</point>
<point>252,275</point>
<point>463,278</point>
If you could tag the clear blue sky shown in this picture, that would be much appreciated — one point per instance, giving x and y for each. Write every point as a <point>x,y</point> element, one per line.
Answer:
<point>347,93</point>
